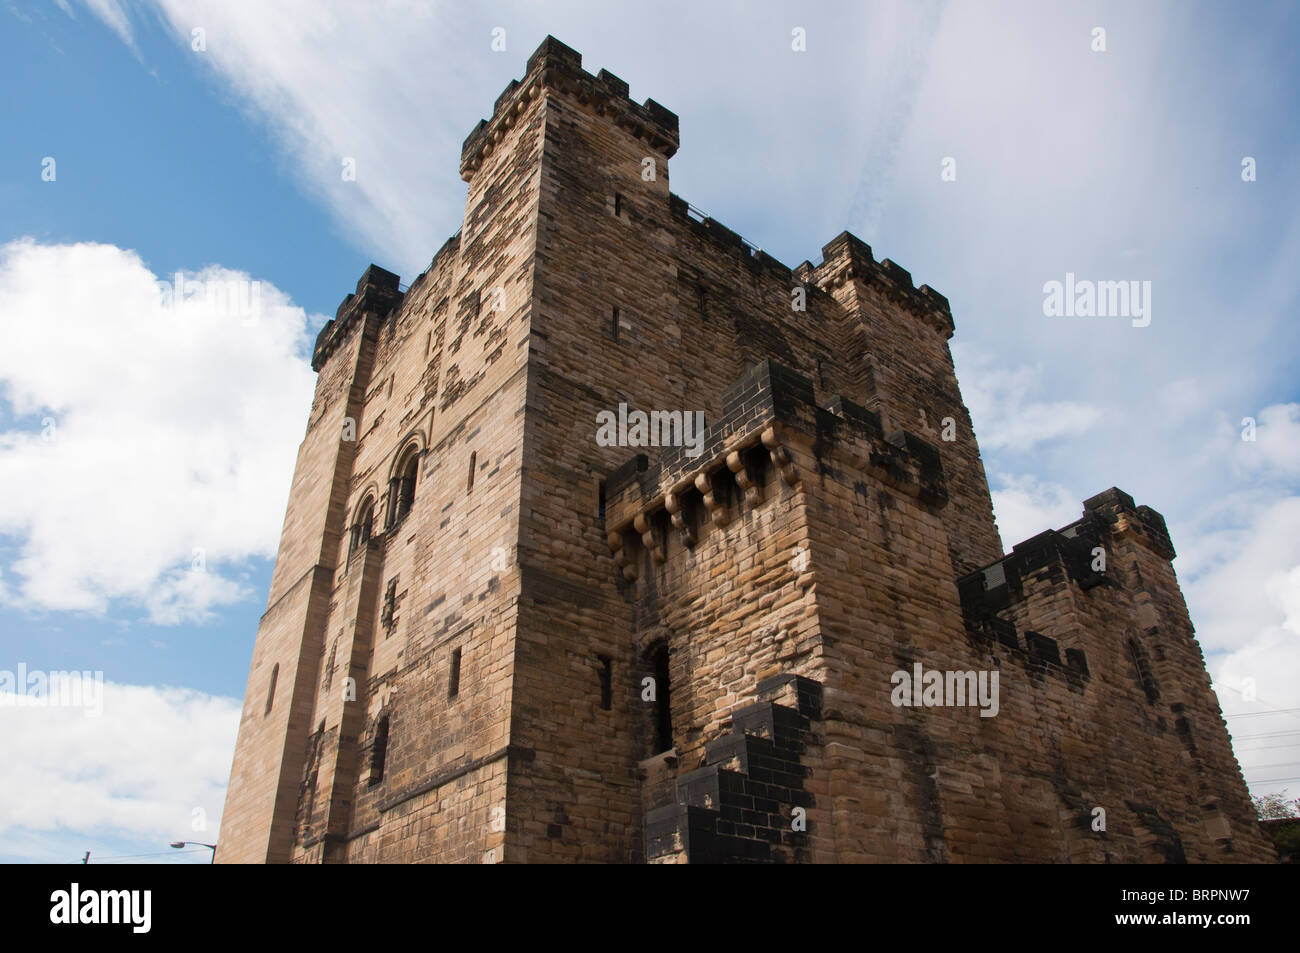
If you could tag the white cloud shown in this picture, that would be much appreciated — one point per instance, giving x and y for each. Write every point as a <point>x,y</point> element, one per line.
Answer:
<point>151,432</point>
<point>1275,451</point>
<point>1259,694</point>
<point>1242,585</point>
<point>181,593</point>
<point>1010,409</point>
<point>141,768</point>
<point>1245,582</point>
<point>1025,506</point>
<point>1284,588</point>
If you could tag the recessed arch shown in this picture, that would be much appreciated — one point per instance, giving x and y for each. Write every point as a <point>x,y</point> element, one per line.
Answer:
<point>363,521</point>
<point>413,441</point>
<point>403,478</point>
<point>371,490</point>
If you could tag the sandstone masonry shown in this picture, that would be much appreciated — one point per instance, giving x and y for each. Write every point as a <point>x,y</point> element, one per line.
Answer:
<point>492,638</point>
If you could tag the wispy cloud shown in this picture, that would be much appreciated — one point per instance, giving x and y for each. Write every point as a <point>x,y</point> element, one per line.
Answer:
<point>113,16</point>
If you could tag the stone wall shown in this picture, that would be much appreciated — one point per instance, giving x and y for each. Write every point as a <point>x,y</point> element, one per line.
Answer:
<point>569,650</point>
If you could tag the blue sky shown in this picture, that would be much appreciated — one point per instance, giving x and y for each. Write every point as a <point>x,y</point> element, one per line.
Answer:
<point>158,160</point>
<point>224,162</point>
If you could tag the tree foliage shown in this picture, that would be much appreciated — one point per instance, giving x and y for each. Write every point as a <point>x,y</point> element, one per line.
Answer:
<point>1276,805</point>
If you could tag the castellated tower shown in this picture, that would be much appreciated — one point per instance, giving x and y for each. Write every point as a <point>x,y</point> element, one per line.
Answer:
<point>493,636</point>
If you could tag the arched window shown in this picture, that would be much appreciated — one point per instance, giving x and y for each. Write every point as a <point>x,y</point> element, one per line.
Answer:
<point>362,525</point>
<point>401,491</point>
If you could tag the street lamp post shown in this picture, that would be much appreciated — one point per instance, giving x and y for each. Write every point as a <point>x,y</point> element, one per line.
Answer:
<point>194,843</point>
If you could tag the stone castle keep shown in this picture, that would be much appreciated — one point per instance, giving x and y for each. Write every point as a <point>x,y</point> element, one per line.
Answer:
<point>491,637</point>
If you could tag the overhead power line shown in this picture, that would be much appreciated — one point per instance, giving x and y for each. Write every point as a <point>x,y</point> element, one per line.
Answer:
<point>161,853</point>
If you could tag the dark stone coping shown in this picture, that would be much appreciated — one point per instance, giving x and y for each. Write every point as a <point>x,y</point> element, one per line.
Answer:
<point>557,66</point>
<point>993,588</point>
<point>377,291</point>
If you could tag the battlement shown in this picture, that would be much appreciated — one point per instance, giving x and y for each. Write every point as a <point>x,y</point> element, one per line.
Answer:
<point>771,393</point>
<point>995,587</point>
<point>847,258</point>
<point>714,231</point>
<point>761,414</point>
<point>377,291</point>
<point>991,595</point>
<point>557,67</point>
<point>450,247</point>
<point>1117,510</point>
<point>992,590</point>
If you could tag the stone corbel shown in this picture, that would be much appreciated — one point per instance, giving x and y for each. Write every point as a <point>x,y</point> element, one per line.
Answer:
<point>780,458</point>
<point>753,492</point>
<point>674,507</point>
<point>717,509</point>
<point>648,540</point>
<point>621,556</point>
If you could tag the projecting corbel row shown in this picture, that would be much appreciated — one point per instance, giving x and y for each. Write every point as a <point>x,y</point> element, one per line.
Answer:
<point>719,514</point>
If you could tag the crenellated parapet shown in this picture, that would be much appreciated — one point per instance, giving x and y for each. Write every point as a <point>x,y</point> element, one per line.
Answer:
<point>990,596</point>
<point>556,67</point>
<point>711,230</point>
<point>377,293</point>
<point>1064,554</point>
<point>770,419</point>
<point>1072,559</point>
<point>1123,519</point>
<point>847,258</point>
